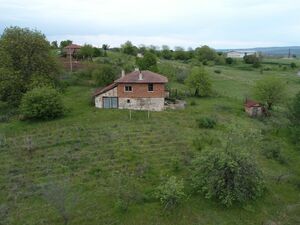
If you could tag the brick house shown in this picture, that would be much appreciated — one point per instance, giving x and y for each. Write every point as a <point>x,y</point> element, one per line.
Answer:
<point>72,49</point>
<point>138,90</point>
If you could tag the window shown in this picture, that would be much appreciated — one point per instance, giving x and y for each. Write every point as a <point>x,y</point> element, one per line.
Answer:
<point>150,87</point>
<point>128,88</point>
<point>128,100</point>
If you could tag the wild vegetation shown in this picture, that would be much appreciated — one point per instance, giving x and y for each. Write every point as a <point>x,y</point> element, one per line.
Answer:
<point>207,164</point>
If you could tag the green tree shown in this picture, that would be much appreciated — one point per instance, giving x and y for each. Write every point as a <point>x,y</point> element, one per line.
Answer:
<point>148,62</point>
<point>142,49</point>
<point>42,103</point>
<point>180,54</point>
<point>171,192</point>
<point>253,59</point>
<point>270,90</point>
<point>54,45</point>
<point>294,117</point>
<point>25,55</point>
<point>129,48</point>
<point>205,53</point>
<point>199,81</point>
<point>87,51</point>
<point>105,48</point>
<point>293,65</point>
<point>11,88</point>
<point>229,60</point>
<point>295,110</point>
<point>227,175</point>
<point>166,53</point>
<point>97,52</point>
<point>65,43</point>
<point>104,75</point>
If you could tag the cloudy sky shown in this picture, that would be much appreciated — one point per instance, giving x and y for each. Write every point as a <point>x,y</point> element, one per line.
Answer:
<point>187,23</point>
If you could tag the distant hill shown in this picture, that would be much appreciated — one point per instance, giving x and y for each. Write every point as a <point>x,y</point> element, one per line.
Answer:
<point>272,51</point>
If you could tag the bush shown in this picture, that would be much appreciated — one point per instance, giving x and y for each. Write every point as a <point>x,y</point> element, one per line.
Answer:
<point>252,59</point>
<point>227,175</point>
<point>206,122</point>
<point>148,62</point>
<point>272,150</point>
<point>42,103</point>
<point>200,82</point>
<point>293,65</point>
<point>104,75</point>
<point>218,71</point>
<point>229,60</point>
<point>193,103</point>
<point>270,91</point>
<point>204,140</point>
<point>171,192</point>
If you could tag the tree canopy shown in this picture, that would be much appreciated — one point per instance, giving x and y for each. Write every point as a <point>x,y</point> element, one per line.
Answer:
<point>295,110</point>
<point>199,81</point>
<point>166,53</point>
<point>148,62</point>
<point>26,59</point>
<point>65,43</point>
<point>227,175</point>
<point>87,51</point>
<point>270,90</point>
<point>205,53</point>
<point>129,48</point>
<point>104,75</point>
<point>42,103</point>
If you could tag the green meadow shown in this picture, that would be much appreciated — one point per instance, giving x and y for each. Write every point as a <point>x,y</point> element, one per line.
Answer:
<point>104,167</point>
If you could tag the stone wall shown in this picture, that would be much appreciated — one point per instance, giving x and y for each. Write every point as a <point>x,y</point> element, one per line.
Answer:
<point>152,104</point>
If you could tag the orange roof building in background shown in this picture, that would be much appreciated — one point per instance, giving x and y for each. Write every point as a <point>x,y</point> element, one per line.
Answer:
<point>72,48</point>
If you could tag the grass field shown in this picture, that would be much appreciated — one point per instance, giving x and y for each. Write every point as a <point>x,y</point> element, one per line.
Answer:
<point>105,167</point>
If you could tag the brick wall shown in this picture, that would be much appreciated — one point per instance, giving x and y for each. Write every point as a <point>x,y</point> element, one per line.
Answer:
<point>141,91</point>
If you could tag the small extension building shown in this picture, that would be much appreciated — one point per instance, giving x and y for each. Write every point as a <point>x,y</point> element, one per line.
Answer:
<point>138,90</point>
<point>254,109</point>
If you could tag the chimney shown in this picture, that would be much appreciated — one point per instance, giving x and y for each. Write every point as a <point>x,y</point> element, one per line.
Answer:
<point>123,73</point>
<point>140,76</point>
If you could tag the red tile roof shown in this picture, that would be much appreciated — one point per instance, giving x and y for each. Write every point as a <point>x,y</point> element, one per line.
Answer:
<point>73,46</point>
<point>250,103</point>
<point>134,77</point>
<point>146,75</point>
<point>102,90</point>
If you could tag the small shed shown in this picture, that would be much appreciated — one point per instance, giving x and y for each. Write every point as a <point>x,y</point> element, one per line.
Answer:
<point>254,109</point>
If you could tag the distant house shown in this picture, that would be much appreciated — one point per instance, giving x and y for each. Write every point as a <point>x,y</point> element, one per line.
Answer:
<point>140,55</point>
<point>138,90</point>
<point>240,54</point>
<point>71,49</point>
<point>254,109</point>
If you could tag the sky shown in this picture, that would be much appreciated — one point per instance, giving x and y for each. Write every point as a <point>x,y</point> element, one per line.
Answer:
<point>220,24</point>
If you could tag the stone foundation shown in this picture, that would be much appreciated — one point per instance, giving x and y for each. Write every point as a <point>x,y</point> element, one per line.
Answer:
<point>152,104</point>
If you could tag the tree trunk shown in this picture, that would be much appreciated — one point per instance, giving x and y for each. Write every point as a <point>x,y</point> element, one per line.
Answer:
<point>269,105</point>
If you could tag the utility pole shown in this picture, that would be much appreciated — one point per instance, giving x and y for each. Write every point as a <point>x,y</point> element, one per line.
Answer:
<point>289,53</point>
<point>71,65</point>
